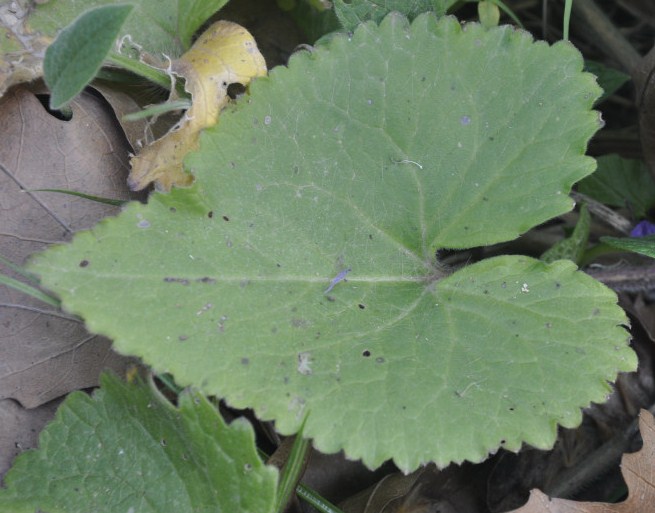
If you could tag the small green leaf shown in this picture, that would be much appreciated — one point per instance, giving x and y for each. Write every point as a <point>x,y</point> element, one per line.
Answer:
<point>489,14</point>
<point>355,12</point>
<point>642,245</point>
<point>622,183</point>
<point>127,449</point>
<point>157,26</point>
<point>77,54</point>
<point>609,79</point>
<point>573,247</point>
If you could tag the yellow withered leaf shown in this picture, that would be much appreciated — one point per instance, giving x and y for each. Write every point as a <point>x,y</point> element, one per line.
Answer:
<point>224,54</point>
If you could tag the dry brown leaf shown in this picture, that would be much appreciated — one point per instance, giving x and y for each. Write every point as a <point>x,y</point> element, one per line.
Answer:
<point>455,489</point>
<point>46,353</point>
<point>21,58</point>
<point>20,429</point>
<point>224,54</point>
<point>638,470</point>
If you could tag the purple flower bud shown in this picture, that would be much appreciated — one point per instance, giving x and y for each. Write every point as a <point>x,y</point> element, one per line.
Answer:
<point>643,229</point>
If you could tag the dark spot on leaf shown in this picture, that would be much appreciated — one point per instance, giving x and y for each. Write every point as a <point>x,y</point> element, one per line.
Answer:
<point>244,283</point>
<point>181,281</point>
<point>225,218</point>
<point>485,291</point>
<point>379,359</point>
<point>466,228</point>
<point>318,335</point>
<point>422,79</point>
<point>274,329</point>
<point>503,285</point>
<point>403,407</point>
<point>278,265</point>
<point>332,299</point>
<point>484,198</point>
<point>366,353</point>
<point>286,380</point>
<point>557,285</point>
<point>182,338</point>
<point>207,280</point>
<point>596,312</point>
<point>491,138</point>
<point>172,210</point>
<point>511,408</point>
<point>84,263</point>
<point>299,323</point>
<point>210,214</point>
<point>361,306</point>
<point>548,325</point>
<point>503,442</point>
<point>296,170</point>
<point>370,236</point>
<point>163,442</point>
<point>233,165</point>
<point>245,361</point>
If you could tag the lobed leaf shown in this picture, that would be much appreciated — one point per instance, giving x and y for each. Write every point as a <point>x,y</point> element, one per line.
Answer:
<point>128,449</point>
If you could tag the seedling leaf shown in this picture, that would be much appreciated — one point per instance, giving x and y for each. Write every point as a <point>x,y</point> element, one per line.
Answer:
<point>129,449</point>
<point>354,12</point>
<point>572,247</point>
<point>642,245</point>
<point>369,154</point>
<point>622,183</point>
<point>75,57</point>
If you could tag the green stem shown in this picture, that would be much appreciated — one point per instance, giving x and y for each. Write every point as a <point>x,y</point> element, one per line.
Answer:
<point>293,470</point>
<point>311,497</point>
<point>29,290</point>
<point>154,75</point>
<point>567,18</point>
<point>592,254</point>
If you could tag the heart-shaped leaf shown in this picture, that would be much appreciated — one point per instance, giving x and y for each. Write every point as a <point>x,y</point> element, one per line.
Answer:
<point>298,275</point>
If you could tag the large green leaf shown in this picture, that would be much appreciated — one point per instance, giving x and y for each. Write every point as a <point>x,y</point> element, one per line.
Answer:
<point>128,449</point>
<point>369,154</point>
